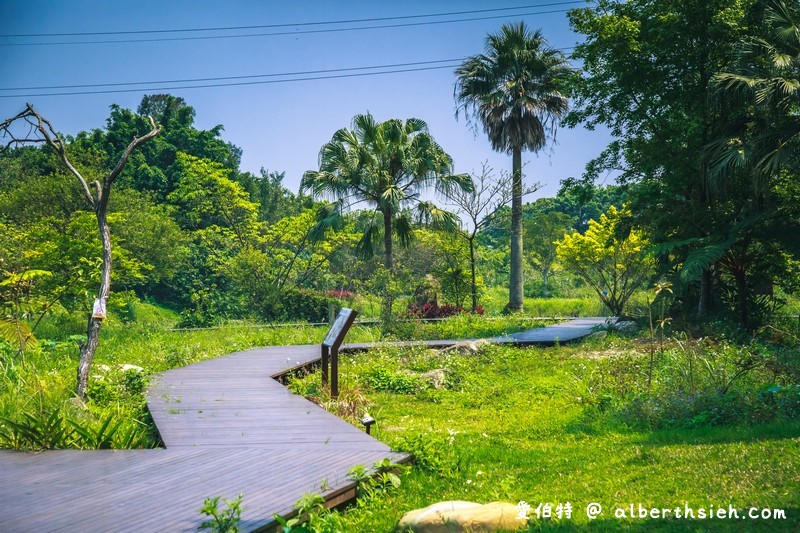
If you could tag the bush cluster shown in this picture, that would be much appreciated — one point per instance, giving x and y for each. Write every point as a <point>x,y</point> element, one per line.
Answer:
<point>433,310</point>
<point>695,384</point>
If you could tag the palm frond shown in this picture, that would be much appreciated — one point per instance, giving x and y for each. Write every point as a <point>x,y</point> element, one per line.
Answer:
<point>404,228</point>
<point>372,233</point>
<point>703,258</point>
<point>328,216</point>
<point>430,215</point>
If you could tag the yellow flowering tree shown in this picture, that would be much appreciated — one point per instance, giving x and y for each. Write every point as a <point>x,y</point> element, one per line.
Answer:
<point>612,261</point>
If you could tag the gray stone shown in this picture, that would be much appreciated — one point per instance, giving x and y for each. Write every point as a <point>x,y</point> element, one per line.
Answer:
<point>461,516</point>
<point>467,347</point>
<point>435,377</point>
<point>626,326</point>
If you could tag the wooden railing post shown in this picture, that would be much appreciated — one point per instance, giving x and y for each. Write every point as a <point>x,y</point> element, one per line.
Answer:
<point>330,348</point>
<point>334,373</point>
<point>325,354</point>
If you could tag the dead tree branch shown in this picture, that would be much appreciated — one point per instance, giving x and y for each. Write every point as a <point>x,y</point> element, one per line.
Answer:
<point>40,130</point>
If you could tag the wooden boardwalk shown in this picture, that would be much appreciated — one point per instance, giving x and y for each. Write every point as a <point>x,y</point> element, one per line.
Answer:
<point>228,429</point>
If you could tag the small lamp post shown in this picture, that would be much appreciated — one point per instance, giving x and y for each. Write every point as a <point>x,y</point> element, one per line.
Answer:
<point>367,421</point>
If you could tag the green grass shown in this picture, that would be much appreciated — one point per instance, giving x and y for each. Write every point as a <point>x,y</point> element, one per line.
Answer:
<point>494,300</point>
<point>512,426</point>
<point>43,384</point>
<point>542,425</point>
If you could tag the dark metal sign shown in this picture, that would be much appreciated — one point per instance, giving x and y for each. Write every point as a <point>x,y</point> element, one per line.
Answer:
<point>330,347</point>
<point>339,327</point>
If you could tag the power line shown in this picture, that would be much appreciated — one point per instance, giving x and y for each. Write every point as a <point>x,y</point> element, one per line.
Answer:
<point>442,64</point>
<point>233,84</point>
<point>276,34</point>
<point>222,78</point>
<point>450,64</point>
<point>285,25</point>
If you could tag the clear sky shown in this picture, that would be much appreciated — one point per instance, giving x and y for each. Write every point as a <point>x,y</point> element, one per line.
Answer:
<point>279,126</point>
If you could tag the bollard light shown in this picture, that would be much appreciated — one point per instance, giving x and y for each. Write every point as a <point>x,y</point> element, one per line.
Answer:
<point>367,421</point>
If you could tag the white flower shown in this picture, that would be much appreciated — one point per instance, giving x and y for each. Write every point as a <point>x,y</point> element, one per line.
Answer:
<point>479,473</point>
<point>127,367</point>
<point>469,482</point>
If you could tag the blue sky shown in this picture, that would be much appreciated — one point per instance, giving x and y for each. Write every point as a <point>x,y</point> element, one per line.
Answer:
<point>279,126</point>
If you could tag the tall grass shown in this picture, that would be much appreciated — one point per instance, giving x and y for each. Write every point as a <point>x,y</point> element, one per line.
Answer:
<point>495,299</point>
<point>144,343</point>
<point>556,425</point>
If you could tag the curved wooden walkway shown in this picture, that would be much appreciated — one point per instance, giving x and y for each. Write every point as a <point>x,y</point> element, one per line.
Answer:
<point>228,429</point>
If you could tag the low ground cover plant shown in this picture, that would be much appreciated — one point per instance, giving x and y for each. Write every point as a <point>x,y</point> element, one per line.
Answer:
<point>580,424</point>
<point>37,405</point>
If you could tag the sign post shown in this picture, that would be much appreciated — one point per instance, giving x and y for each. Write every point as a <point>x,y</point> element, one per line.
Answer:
<point>330,348</point>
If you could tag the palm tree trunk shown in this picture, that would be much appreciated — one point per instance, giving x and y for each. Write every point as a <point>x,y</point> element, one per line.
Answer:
<point>515,286</point>
<point>388,264</point>
<point>388,260</point>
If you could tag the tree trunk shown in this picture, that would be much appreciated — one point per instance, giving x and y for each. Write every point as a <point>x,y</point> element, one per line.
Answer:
<point>515,287</point>
<point>93,329</point>
<point>741,297</point>
<point>705,294</point>
<point>544,282</point>
<point>472,268</point>
<point>388,260</point>
<point>388,264</point>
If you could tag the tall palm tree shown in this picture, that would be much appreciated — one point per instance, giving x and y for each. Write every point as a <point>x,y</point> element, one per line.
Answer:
<point>514,90</point>
<point>385,165</point>
<point>767,81</point>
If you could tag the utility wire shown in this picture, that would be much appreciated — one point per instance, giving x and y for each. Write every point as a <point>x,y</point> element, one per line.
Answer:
<point>442,63</point>
<point>222,78</point>
<point>232,84</point>
<point>448,63</point>
<point>296,24</point>
<point>275,34</point>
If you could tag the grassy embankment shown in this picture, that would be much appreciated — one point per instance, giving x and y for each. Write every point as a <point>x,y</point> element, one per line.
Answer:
<point>37,404</point>
<point>580,424</point>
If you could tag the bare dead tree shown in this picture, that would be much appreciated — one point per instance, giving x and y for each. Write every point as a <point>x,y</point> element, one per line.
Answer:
<point>29,127</point>
<point>479,206</point>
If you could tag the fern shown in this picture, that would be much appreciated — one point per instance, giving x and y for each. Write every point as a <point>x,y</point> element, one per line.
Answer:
<point>17,333</point>
<point>702,258</point>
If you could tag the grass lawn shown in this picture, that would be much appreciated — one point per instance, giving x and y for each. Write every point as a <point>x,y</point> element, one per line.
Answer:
<point>38,391</point>
<point>513,425</point>
<point>552,425</point>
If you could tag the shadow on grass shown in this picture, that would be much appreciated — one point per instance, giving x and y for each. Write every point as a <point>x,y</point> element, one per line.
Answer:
<point>724,434</point>
<point>699,436</point>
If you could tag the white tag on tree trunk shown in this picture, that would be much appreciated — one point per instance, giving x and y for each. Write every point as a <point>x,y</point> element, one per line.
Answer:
<point>99,310</point>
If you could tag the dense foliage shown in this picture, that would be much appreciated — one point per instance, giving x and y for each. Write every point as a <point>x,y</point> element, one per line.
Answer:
<point>701,96</point>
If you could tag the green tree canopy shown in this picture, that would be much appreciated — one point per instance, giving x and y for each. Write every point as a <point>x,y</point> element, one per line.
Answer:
<point>385,165</point>
<point>609,258</point>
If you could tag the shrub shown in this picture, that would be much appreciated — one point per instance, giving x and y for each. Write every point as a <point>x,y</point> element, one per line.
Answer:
<point>340,294</point>
<point>432,310</point>
<point>382,379</point>
<point>296,304</point>
<point>226,520</point>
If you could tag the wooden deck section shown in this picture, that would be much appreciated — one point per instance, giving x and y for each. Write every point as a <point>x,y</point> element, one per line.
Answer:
<point>566,332</point>
<point>228,429</point>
